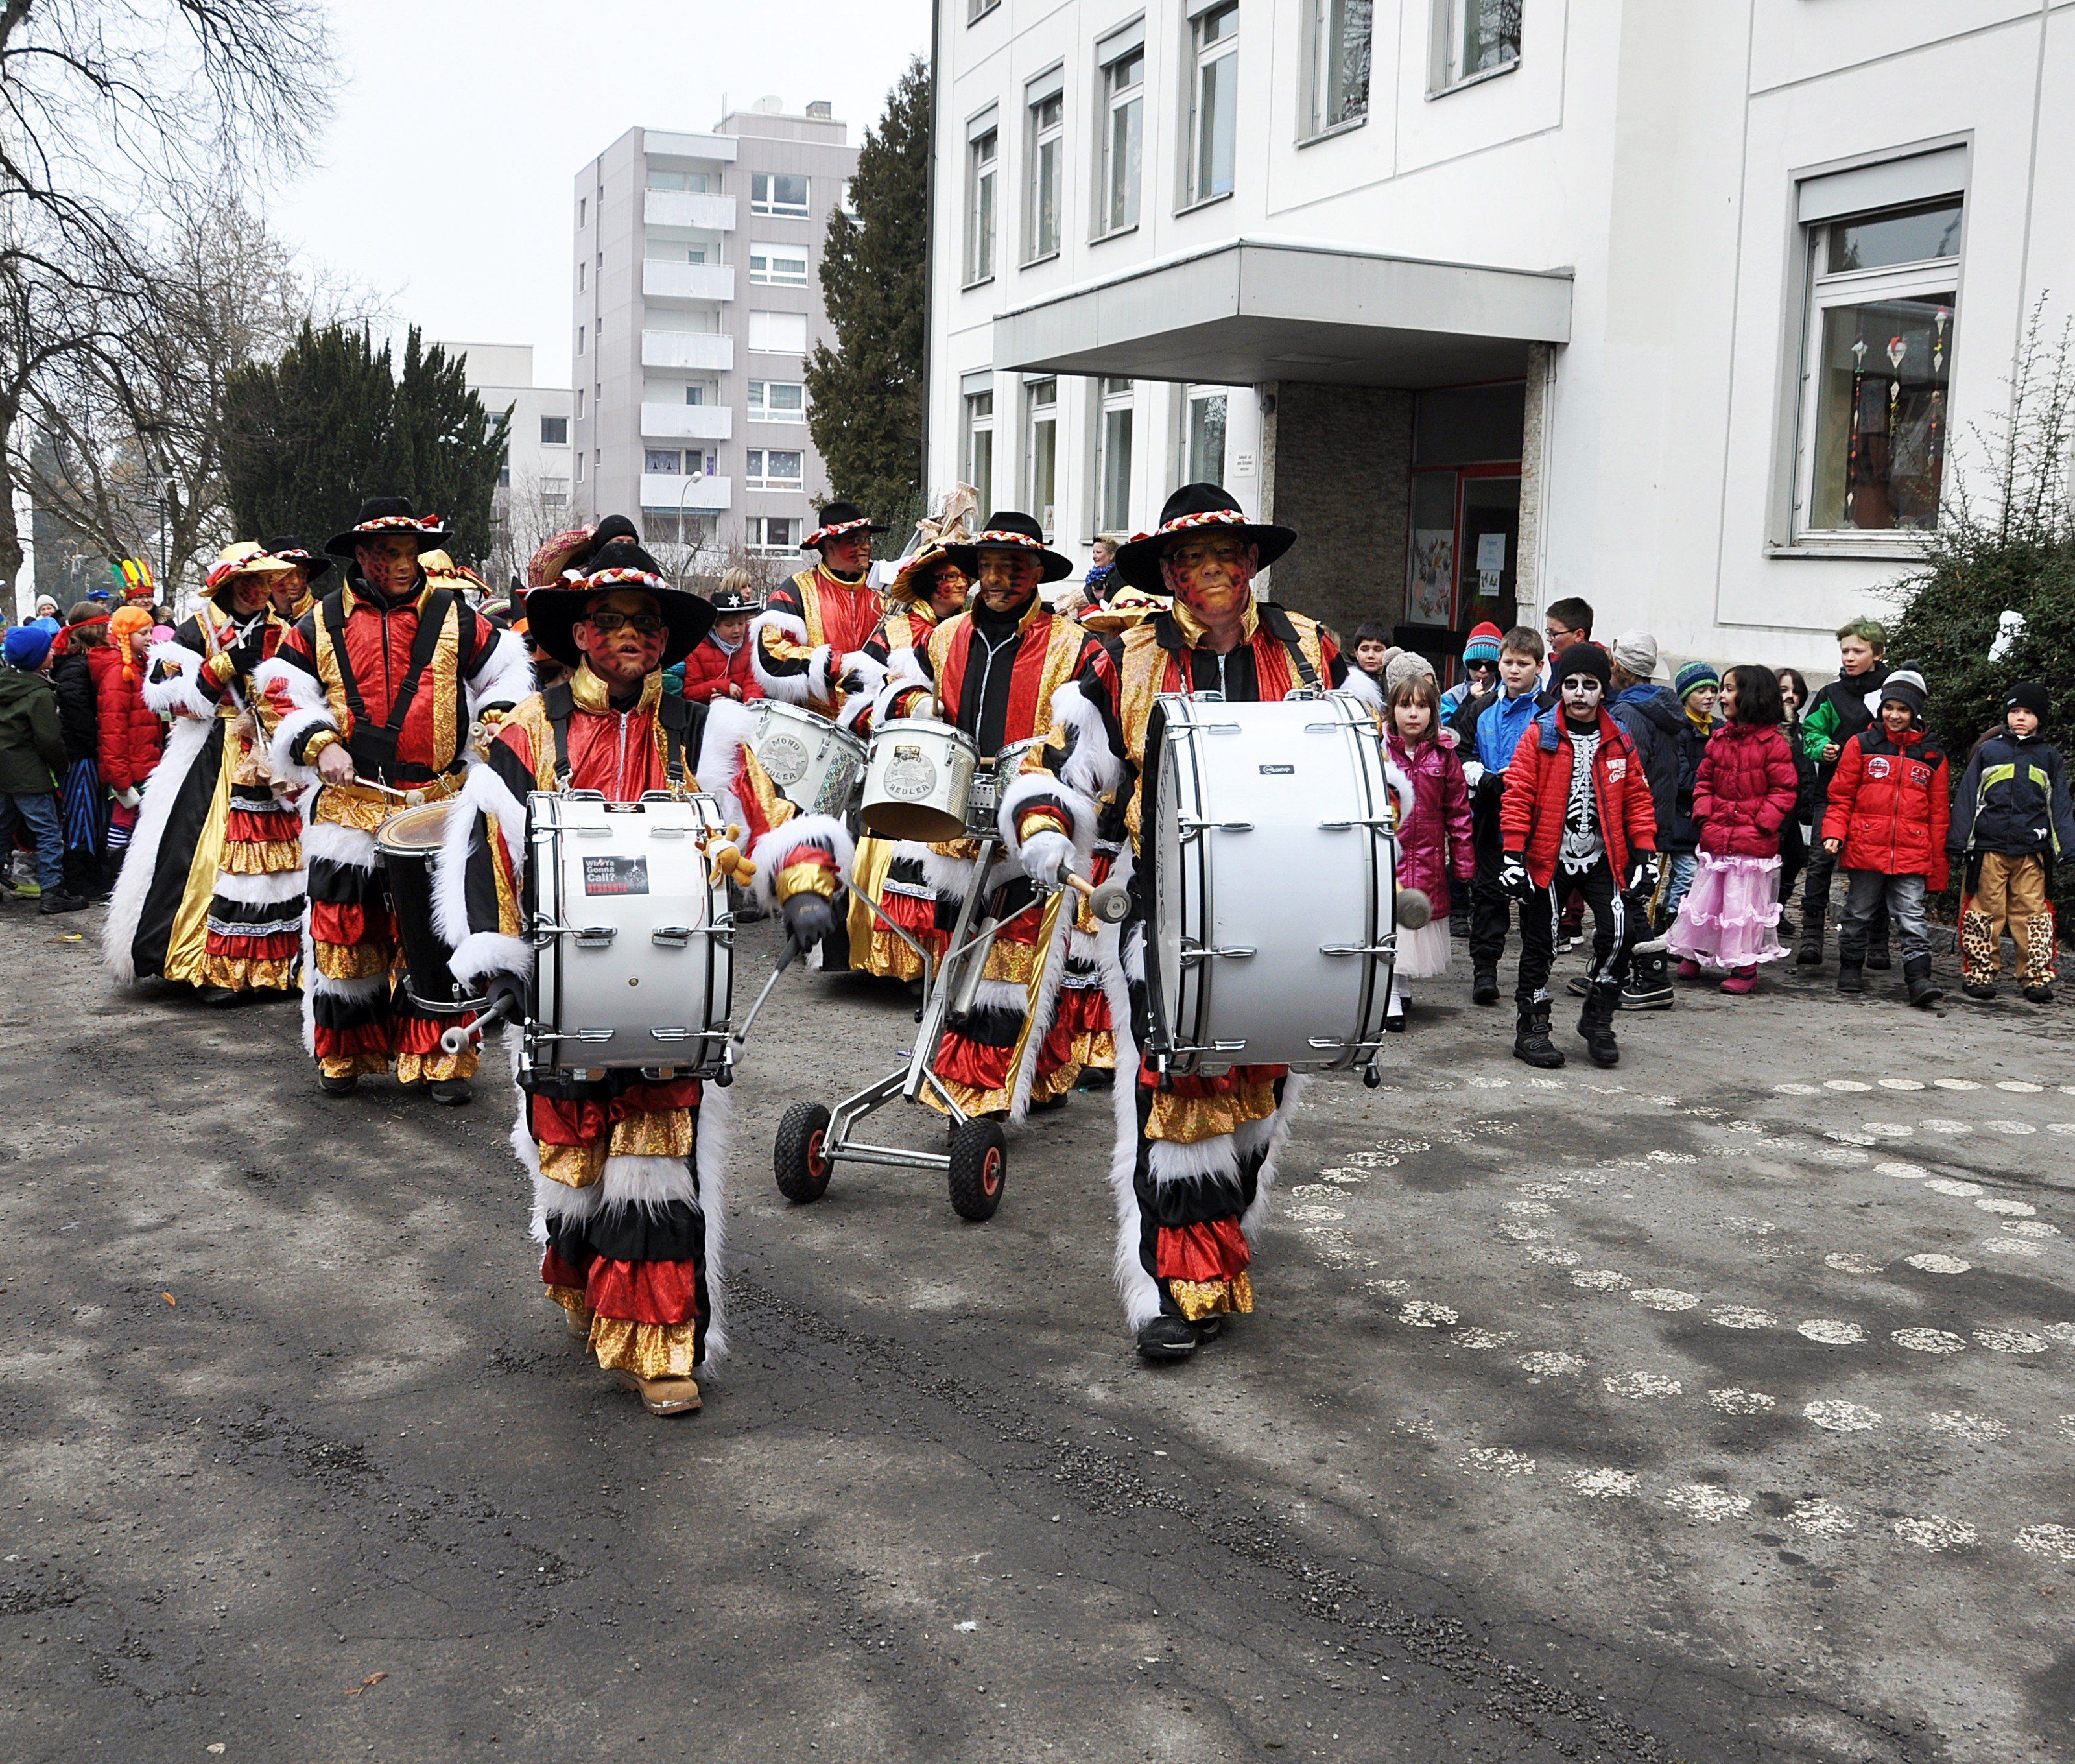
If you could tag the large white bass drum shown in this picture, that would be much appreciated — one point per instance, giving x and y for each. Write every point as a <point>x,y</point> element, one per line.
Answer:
<point>630,919</point>
<point>919,778</point>
<point>814,764</point>
<point>1274,924</point>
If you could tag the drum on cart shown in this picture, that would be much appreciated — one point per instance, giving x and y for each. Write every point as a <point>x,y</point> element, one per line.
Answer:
<point>635,966</point>
<point>1274,927</point>
<point>918,780</point>
<point>814,764</point>
<point>409,844</point>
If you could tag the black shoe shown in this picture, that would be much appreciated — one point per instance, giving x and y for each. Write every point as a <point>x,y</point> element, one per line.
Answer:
<point>1531,1038</point>
<point>1484,987</point>
<point>217,996</point>
<point>450,1092</point>
<point>1851,975</point>
<point>1393,1019</point>
<point>1810,954</point>
<point>1595,1023</point>
<point>1981,989</point>
<point>1097,1077</point>
<point>1785,927</point>
<point>1923,991</point>
<point>1211,1327</point>
<point>1580,986</point>
<point>1167,1338</point>
<point>56,900</point>
<point>1653,997</point>
<point>2039,994</point>
<point>338,1087</point>
<point>1878,959</point>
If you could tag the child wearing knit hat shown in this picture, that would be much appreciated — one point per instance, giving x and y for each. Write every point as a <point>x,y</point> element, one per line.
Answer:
<point>1479,668</point>
<point>2011,819</point>
<point>1697,685</point>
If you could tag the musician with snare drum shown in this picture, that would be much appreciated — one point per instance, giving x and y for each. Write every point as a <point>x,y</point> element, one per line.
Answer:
<point>1277,805</point>
<point>583,888</point>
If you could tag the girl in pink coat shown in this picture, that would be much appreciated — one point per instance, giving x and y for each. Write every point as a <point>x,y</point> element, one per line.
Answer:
<point>1434,844</point>
<point>1745,790</point>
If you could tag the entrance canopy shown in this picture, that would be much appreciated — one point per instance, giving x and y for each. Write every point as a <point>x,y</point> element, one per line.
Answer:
<point>1255,309</point>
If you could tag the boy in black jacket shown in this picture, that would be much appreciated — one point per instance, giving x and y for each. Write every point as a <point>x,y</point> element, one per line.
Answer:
<point>2011,819</point>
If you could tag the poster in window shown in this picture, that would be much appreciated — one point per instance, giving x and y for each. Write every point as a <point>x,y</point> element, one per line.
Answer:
<point>1432,600</point>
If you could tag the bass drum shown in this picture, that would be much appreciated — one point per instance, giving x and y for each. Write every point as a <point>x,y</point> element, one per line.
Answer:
<point>814,764</point>
<point>1273,888</point>
<point>920,777</point>
<point>409,843</point>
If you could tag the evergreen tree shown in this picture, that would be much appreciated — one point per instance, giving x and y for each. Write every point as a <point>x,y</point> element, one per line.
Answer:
<point>865,398</point>
<point>444,448</point>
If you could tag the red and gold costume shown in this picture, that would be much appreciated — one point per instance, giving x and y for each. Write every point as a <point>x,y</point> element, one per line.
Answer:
<point>812,635</point>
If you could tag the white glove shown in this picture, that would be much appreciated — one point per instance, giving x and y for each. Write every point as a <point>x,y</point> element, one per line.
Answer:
<point>1473,773</point>
<point>128,798</point>
<point>1047,856</point>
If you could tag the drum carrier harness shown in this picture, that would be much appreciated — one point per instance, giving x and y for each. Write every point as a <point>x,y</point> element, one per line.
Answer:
<point>680,718</point>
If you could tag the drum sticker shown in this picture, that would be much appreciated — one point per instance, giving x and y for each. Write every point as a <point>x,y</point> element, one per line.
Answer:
<point>908,776</point>
<point>1277,772</point>
<point>616,876</point>
<point>786,758</point>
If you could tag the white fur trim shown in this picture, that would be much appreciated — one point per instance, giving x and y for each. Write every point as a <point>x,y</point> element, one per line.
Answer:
<point>1360,686</point>
<point>1043,1007</point>
<point>482,791</point>
<point>1093,767</point>
<point>1131,954</point>
<point>904,673</point>
<point>1273,1134</point>
<point>1001,996</point>
<point>782,845</point>
<point>1138,1290</point>
<point>793,688</point>
<point>1028,788</point>
<point>504,676</point>
<point>948,877</point>
<point>179,694</point>
<point>281,760</point>
<point>1181,1161</point>
<point>821,673</point>
<point>716,1125</point>
<point>133,886</point>
<point>632,1180</point>
<point>338,844</point>
<point>729,728</point>
<point>311,710</point>
<point>314,982</point>
<point>263,890</point>
<point>482,954</point>
<point>856,715</point>
<point>1401,787</point>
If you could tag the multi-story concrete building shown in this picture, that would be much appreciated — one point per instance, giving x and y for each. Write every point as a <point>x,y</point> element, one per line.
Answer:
<point>532,499</point>
<point>1679,308</point>
<point>697,292</point>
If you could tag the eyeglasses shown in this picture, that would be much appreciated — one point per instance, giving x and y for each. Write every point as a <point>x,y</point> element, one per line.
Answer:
<point>643,624</point>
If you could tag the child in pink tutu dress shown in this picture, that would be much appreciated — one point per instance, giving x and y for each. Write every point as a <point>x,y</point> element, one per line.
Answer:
<point>1746,789</point>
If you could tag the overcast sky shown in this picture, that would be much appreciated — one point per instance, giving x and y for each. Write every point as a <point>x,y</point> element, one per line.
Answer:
<point>443,181</point>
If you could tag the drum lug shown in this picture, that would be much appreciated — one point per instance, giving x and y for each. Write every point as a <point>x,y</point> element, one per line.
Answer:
<point>1198,952</point>
<point>672,937</point>
<point>596,936</point>
<point>1191,826</point>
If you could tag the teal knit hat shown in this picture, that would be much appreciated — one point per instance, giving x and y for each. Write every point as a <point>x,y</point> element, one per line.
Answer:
<point>1693,675</point>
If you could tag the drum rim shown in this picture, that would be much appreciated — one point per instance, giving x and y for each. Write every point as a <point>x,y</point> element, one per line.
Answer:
<point>436,813</point>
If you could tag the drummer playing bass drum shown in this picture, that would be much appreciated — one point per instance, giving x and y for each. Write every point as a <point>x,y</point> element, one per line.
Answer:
<point>1194,1157</point>
<point>629,1174</point>
<point>994,671</point>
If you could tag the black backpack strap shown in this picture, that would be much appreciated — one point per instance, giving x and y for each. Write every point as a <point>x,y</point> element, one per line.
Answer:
<point>682,723</point>
<point>1279,627</point>
<point>561,704</point>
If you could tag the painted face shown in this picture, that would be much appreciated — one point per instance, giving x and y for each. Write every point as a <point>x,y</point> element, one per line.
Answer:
<point>1790,699</point>
<point>290,588</point>
<point>621,634</point>
<point>732,627</point>
<point>1413,717</point>
<point>1855,655</point>
<point>1211,575</point>
<point>248,595</point>
<point>849,554</point>
<point>1518,670</point>
<point>1896,717</point>
<point>2020,721</point>
<point>1582,693</point>
<point>389,561</point>
<point>1007,580</point>
<point>1369,654</point>
<point>947,592</point>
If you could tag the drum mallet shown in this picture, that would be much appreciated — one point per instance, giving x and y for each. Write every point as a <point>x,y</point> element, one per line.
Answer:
<point>1414,908</point>
<point>1111,902</point>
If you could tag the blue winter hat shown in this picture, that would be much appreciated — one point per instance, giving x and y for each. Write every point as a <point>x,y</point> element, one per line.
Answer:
<point>1694,675</point>
<point>26,647</point>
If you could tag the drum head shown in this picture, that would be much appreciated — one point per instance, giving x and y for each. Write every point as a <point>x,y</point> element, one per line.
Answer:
<point>1161,839</point>
<point>913,820</point>
<point>418,829</point>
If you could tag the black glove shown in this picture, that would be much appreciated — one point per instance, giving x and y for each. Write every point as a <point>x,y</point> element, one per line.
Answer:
<point>809,918</point>
<point>249,650</point>
<point>1513,876</point>
<point>506,994</point>
<point>1643,872</point>
<point>851,681</point>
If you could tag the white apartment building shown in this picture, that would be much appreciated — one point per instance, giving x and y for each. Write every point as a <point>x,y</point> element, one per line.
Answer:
<point>1679,308</point>
<point>533,500</point>
<point>697,288</point>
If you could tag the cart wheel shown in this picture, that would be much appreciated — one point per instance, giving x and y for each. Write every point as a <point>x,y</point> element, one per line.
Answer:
<point>803,1168</point>
<point>979,1166</point>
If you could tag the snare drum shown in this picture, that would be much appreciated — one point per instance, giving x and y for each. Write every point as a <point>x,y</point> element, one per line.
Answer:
<point>1274,897</point>
<point>635,965</point>
<point>990,784</point>
<point>409,844</point>
<point>919,780</point>
<point>814,764</point>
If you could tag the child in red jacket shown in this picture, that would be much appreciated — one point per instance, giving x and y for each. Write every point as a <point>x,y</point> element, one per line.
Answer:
<point>1576,816</point>
<point>1886,824</point>
<point>131,735</point>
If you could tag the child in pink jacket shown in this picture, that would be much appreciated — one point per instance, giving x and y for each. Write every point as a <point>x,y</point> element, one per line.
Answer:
<point>1434,843</point>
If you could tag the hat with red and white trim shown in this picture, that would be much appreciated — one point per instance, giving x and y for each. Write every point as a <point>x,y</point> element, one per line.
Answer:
<point>383,516</point>
<point>838,518</point>
<point>552,612</point>
<point>1006,530</point>
<point>1193,510</point>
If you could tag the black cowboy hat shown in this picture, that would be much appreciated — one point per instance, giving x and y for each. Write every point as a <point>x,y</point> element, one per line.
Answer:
<point>1006,530</point>
<point>1192,510</point>
<point>294,551</point>
<point>732,600</point>
<point>552,612</point>
<point>836,519</point>
<point>380,515</point>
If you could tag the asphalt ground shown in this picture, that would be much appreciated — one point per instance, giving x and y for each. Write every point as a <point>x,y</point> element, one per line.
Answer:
<point>1717,1407</point>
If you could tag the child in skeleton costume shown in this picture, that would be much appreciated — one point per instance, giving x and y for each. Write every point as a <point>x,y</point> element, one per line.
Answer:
<point>994,671</point>
<point>372,695</point>
<point>809,641</point>
<point>211,886</point>
<point>627,1172</point>
<point>1195,1156</point>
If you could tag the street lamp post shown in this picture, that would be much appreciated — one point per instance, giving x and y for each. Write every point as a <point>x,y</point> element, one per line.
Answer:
<point>683,574</point>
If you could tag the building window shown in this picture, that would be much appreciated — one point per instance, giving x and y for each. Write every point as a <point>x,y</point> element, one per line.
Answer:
<point>554,491</point>
<point>1472,37</point>
<point>777,401</point>
<point>979,447</point>
<point>1879,362</point>
<point>773,470</point>
<point>583,211</point>
<point>980,206</point>
<point>778,266</point>
<point>976,10</point>
<point>554,431</point>
<point>580,404</point>
<point>582,268</point>
<point>504,477</point>
<point>772,533</point>
<point>777,192</point>
<point>696,394</point>
<point>580,340</point>
<point>580,468</point>
<point>1204,436</point>
<point>1123,140</point>
<point>1113,457</point>
<point>1041,449</point>
<point>1341,35</point>
<point>664,460</point>
<point>699,182</point>
<point>1213,102</point>
<point>1048,145</point>
<point>778,334</point>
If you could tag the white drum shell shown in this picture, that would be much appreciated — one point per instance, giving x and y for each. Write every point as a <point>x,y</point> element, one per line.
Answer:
<point>657,990</point>
<point>1268,873</point>
<point>814,764</point>
<point>918,779</point>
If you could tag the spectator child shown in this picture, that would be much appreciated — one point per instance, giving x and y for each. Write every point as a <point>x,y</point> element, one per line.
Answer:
<point>1649,715</point>
<point>1697,685</point>
<point>1373,651</point>
<point>1497,725</point>
<point>32,755</point>
<point>1479,668</point>
<point>1830,718</point>
<point>719,668</point>
<point>1794,836</point>
<point>1435,844</point>
<point>131,736</point>
<point>1745,794</point>
<point>2011,820</point>
<point>82,800</point>
<point>1886,824</point>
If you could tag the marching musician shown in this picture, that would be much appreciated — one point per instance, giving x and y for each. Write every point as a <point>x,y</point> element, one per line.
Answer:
<point>994,671</point>
<point>372,696</point>
<point>809,645</point>
<point>294,591</point>
<point>1194,1156</point>
<point>628,1172</point>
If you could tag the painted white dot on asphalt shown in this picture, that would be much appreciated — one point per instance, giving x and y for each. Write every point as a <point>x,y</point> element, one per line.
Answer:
<point>2031,1227</point>
<point>1831,1331</point>
<point>1948,1185</point>
<point>2018,1086</point>
<point>1846,1136</point>
<point>1640,1384</point>
<point>1928,1341</point>
<point>1545,1190</point>
<point>1390,1288</point>
<point>1665,1298</point>
<point>1531,1209</point>
<point>1902,1083</point>
<point>1742,1317</point>
<point>1846,1263</point>
<point>1514,1233</point>
<point>1819,1518</point>
<point>1313,1214</point>
<point>1908,1172</point>
<point>1933,1263</point>
<point>1484,1338</point>
<point>2008,1246</point>
<point>1936,1533</point>
<point>2011,1341</point>
<point>2063,1333</point>
<point>2061,1127</point>
<point>1888,1130</point>
<point>1545,1084</point>
<point>1704,1501</point>
<point>1548,1364</point>
<point>2014,1129</point>
<point>1424,1313</point>
<point>1955,1083</point>
<point>1498,1460</point>
<point>1599,1280</point>
<point>1839,1154</point>
<point>2067,1425</point>
<point>1845,1084</point>
<point>1795,1089</point>
<point>1672,1157</point>
<point>2009,1209</point>
<point>1980,1428</point>
<point>1603,1484</point>
<point>2056,1543</point>
<point>1484,1082</point>
<point>1547,1257</point>
<point>1735,1401</point>
<point>1345,1178</point>
<point>1942,1125</point>
<point>1839,1416</point>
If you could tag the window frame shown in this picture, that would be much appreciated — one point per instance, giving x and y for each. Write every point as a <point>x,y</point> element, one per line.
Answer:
<point>1046,149</point>
<point>1115,97</point>
<point>751,345</point>
<point>771,252</point>
<point>762,545</point>
<point>1203,57</point>
<point>757,401</point>
<point>650,469</point>
<point>974,425</point>
<point>757,476</point>
<point>770,205</point>
<point>1449,23</point>
<point>1195,392</point>
<point>562,440</point>
<point>983,174</point>
<point>1115,396</point>
<point>1037,416</point>
<point>1319,41</point>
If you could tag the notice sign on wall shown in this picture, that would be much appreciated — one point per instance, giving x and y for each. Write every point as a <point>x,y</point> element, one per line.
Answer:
<point>1432,600</point>
<point>1491,564</point>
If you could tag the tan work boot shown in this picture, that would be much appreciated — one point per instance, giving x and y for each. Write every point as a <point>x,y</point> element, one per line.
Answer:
<point>663,1396</point>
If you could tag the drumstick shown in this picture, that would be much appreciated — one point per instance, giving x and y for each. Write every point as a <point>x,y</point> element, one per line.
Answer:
<point>1110,902</point>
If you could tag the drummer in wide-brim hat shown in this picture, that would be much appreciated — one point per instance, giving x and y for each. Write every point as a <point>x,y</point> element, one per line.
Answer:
<point>621,596</point>
<point>1194,512</point>
<point>382,547</point>
<point>244,579</point>
<point>292,593</point>
<point>1009,533</point>
<point>932,579</point>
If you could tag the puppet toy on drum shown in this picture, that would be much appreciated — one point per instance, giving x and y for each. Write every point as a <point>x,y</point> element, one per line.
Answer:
<point>1260,808</point>
<point>581,888</point>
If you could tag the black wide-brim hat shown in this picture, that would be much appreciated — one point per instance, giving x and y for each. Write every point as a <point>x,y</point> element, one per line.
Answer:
<point>1006,530</point>
<point>1193,510</point>
<point>835,520</point>
<point>381,515</point>
<point>552,612</point>
<point>294,551</point>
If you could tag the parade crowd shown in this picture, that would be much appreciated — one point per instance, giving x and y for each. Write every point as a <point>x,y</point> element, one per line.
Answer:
<point>225,782</point>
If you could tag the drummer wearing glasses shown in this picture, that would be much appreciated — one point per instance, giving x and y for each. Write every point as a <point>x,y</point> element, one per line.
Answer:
<point>1195,1156</point>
